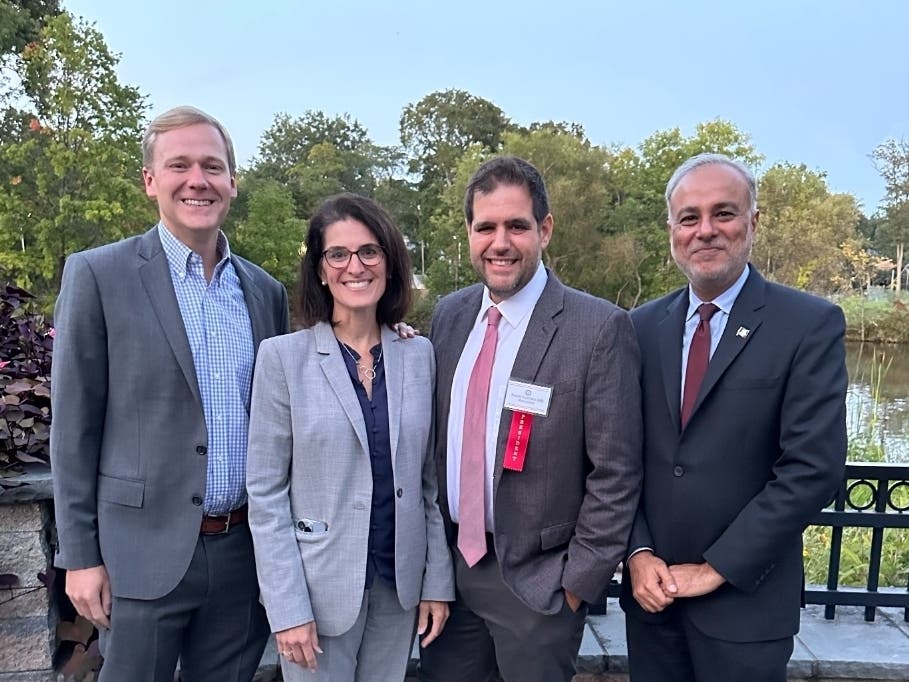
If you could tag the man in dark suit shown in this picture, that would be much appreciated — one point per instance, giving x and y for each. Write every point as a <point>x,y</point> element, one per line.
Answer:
<point>539,476</point>
<point>744,387</point>
<point>156,338</point>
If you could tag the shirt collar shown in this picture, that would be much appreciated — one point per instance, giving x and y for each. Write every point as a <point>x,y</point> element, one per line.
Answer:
<point>179,255</point>
<point>724,301</point>
<point>517,306</point>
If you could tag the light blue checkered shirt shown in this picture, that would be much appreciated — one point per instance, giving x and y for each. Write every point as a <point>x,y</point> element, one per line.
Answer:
<point>220,337</point>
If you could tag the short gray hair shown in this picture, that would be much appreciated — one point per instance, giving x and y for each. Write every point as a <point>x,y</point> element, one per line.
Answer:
<point>708,159</point>
<point>180,117</point>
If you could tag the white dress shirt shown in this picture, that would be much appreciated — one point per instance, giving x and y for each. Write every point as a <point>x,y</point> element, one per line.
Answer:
<point>724,302</point>
<point>516,312</point>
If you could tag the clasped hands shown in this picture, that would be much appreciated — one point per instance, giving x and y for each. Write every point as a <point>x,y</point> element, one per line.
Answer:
<point>656,585</point>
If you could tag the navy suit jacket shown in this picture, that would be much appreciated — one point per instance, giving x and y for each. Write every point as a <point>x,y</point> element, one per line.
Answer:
<point>763,451</point>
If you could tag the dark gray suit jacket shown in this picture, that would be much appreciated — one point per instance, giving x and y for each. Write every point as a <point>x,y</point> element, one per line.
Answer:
<point>564,520</point>
<point>128,436</point>
<point>763,451</point>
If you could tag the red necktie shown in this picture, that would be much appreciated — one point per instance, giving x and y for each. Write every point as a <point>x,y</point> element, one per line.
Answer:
<point>698,357</point>
<point>472,493</point>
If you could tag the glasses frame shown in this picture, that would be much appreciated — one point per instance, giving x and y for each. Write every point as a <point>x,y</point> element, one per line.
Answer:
<point>351,254</point>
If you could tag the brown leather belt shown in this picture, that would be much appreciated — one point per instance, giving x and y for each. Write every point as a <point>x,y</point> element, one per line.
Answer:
<point>216,525</point>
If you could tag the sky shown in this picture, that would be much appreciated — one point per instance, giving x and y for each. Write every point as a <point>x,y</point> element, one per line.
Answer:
<point>818,82</point>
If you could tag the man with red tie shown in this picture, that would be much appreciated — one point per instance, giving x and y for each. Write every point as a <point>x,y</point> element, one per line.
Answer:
<point>744,386</point>
<point>538,440</point>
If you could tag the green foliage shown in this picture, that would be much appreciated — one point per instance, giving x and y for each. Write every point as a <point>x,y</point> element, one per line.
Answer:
<point>885,320</point>
<point>270,235</point>
<point>26,346</point>
<point>437,130</point>
<point>804,230</point>
<point>316,155</point>
<point>21,21</point>
<point>70,177</point>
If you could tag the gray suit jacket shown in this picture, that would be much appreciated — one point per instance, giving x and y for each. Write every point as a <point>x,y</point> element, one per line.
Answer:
<point>563,522</point>
<point>309,459</point>
<point>128,437</point>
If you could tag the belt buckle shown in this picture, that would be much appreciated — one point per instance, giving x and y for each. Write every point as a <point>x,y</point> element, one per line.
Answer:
<point>226,526</point>
<point>220,531</point>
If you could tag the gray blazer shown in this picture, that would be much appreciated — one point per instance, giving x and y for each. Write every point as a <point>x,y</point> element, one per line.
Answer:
<point>309,459</point>
<point>128,437</point>
<point>562,522</point>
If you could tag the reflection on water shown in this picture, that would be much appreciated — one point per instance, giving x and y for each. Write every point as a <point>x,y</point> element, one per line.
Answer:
<point>877,402</point>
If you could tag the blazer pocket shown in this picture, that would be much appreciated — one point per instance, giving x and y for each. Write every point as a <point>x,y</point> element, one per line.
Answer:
<point>565,387</point>
<point>557,535</point>
<point>125,491</point>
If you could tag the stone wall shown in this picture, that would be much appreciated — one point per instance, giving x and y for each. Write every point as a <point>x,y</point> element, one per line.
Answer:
<point>27,616</point>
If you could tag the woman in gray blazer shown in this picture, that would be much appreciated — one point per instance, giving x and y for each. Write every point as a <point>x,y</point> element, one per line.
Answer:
<point>350,549</point>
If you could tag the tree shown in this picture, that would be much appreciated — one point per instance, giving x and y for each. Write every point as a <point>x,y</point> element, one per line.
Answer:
<point>270,235</point>
<point>892,161</point>
<point>804,228</point>
<point>437,130</point>
<point>21,22</point>
<point>71,176</point>
<point>316,155</point>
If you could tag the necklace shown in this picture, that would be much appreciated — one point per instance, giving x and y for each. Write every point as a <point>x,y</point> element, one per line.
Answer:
<point>368,372</point>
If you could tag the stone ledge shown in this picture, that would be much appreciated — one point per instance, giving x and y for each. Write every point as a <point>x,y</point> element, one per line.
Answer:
<point>34,485</point>
<point>30,676</point>
<point>26,644</point>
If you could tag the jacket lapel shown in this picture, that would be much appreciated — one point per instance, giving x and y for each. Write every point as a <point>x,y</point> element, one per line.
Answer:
<point>255,305</point>
<point>393,357</point>
<point>336,373</point>
<point>154,271</point>
<point>744,319</point>
<point>670,332</point>
<point>541,328</point>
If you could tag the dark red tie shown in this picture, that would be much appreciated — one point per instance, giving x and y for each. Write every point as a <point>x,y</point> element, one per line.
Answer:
<point>698,357</point>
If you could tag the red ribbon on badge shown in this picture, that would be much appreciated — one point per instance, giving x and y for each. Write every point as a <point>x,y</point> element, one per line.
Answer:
<point>518,437</point>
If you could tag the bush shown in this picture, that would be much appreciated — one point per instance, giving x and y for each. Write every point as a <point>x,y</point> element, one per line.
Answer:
<point>26,346</point>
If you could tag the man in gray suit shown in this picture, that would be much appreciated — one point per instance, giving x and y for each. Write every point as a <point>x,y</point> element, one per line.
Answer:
<point>539,460</point>
<point>156,339</point>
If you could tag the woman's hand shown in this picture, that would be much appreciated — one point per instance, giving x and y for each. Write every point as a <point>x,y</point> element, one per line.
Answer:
<point>300,645</point>
<point>432,616</point>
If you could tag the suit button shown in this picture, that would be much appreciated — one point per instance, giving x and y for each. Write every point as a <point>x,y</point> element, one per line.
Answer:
<point>301,525</point>
<point>197,500</point>
<point>678,471</point>
<point>201,450</point>
<point>400,492</point>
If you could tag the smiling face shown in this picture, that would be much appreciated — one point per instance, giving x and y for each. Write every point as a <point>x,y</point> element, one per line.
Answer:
<point>711,228</point>
<point>506,243</point>
<point>355,288</point>
<point>190,179</point>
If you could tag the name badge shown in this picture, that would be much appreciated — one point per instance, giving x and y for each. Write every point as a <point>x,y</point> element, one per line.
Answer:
<point>521,396</point>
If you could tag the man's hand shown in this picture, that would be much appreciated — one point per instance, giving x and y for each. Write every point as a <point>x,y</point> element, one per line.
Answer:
<point>89,591</point>
<point>432,615</point>
<point>405,331</point>
<point>573,600</point>
<point>300,645</point>
<point>693,580</point>
<point>654,586</point>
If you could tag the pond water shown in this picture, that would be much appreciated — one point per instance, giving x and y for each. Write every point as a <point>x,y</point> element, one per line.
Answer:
<point>877,401</point>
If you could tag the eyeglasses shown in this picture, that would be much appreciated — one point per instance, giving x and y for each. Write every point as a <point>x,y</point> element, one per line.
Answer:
<point>339,256</point>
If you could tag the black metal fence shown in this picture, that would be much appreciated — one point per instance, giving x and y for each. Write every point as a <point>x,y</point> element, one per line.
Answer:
<point>876,496</point>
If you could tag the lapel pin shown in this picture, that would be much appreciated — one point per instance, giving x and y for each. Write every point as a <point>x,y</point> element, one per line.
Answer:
<point>742,333</point>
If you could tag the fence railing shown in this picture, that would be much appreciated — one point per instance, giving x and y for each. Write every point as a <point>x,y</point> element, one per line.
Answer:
<point>876,496</point>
